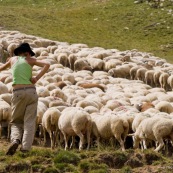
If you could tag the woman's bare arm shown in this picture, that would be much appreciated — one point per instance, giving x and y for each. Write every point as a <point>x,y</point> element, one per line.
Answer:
<point>45,66</point>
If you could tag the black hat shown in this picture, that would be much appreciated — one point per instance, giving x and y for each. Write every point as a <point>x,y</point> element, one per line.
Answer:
<point>22,48</point>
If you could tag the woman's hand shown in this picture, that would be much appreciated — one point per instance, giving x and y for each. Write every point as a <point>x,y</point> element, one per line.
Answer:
<point>34,80</point>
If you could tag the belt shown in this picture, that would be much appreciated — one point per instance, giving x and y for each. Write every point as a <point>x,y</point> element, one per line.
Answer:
<point>23,88</point>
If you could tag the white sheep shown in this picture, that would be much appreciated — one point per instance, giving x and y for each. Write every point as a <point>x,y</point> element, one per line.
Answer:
<point>5,116</point>
<point>96,64</point>
<point>112,63</point>
<point>6,97</point>
<point>71,60</point>
<point>170,81</point>
<point>109,126</point>
<point>4,88</point>
<point>41,109</point>
<point>69,77</point>
<point>156,76</point>
<point>164,106</point>
<point>63,59</point>
<point>163,80</point>
<point>85,103</point>
<point>59,94</point>
<point>50,124</point>
<point>133,72</point>
<point>155,129</point>
<point>149,77</point>
<point>80,64</point>
<point>140,74</point>
<point>75,122</point>
<point>42,91</point>
<point>122,71</point>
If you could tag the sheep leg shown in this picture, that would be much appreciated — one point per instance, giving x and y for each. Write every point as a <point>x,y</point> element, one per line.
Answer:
<point>0,130</point>
<point>81,136</point>
<point>118,137</point>
<point>56,138</point>
<point>136,142</point>
<point>51,134</point>
<point>44,134</point>
<point>143,144</point>
<point>9,131</point>
<point>61,138</point>
<point>40,132</point>
<point>89,135</point>
<point>72,142</point>
<point>161,144</point>
<point>98,142</point>
<point>51,139</point>
<point>171,137</point>
<point>65,139</point>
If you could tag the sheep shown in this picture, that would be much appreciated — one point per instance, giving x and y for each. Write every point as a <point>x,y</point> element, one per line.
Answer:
<point>3,89</point>
<point>50,124</point>
<point>6,97</point>
<point>11,48</point>
<point>122,71</point>
<point>170,81</point>
<point>42,91</point>
<point>75,121</point>
<point>59,94</point>
<point>85,103</point>
<point>91,85</point>
<point>41,109</point>
<point>163,80</point>
<point>71,60</point>
<point>155,129</point>
<point>69,77</point>
<point>58,102</point>
<point>91,109</point>
<point>63,59</point>
<point>52,48</point>
<point>164,106</point>
<point>136,122</point>
<point>109,126</point>
<point>5,116</point>
<point>96,64</point>
<point>149,77</point>
<point>133,71</point>
<point>156,78</point>
<point>51,86</point>
<point>112,63</point>
<point>138,119</point>
<point>112,104</point>
<point>80,64</point>
<point>60,84</point>
<point>140,74</point>
<point>144,106</point>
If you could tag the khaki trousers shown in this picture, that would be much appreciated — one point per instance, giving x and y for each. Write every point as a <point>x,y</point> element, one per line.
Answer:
<point>24,111</point>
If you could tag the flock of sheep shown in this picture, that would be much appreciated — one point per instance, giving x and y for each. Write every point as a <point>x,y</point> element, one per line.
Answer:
<point>95,93</point>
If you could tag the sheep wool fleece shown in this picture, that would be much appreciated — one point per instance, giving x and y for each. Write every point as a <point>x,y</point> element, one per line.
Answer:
<point>24,110</point>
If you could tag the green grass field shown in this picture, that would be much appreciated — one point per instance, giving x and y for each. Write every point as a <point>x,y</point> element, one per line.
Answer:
<point>105,23</point>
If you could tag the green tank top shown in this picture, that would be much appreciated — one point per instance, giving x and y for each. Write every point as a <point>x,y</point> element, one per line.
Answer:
<point>21,72</point>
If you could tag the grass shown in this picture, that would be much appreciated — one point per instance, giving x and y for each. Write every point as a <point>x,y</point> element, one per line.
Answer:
<point>57,161</point>
<point>108,23</point>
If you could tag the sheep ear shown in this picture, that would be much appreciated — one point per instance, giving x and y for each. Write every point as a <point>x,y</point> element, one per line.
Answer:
<point>140,104</point>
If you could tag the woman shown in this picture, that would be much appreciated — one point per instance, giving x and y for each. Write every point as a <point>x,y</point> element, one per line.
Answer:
<point>24,97</point>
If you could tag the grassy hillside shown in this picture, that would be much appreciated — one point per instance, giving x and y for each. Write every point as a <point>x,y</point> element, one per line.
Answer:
<point>105,23</point>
